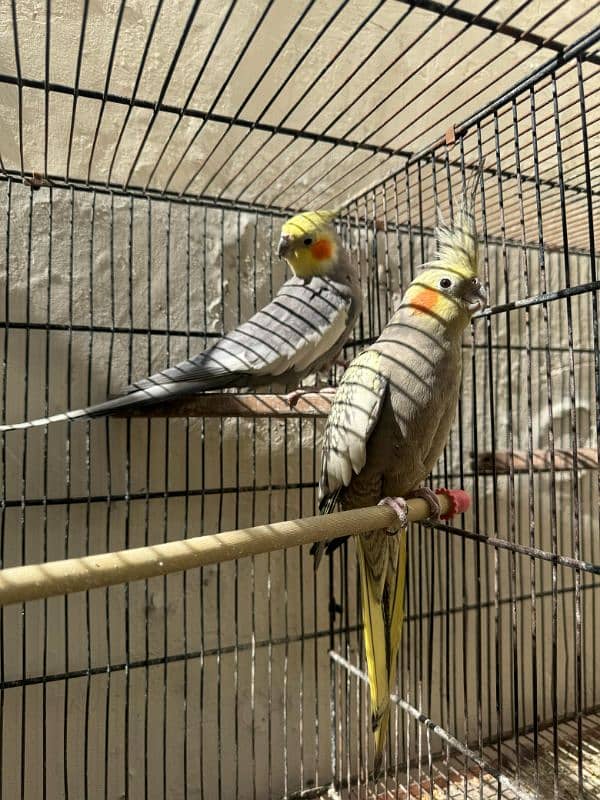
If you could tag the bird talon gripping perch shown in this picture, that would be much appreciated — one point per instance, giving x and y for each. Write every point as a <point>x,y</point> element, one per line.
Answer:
<point>400,506</point>
<point>431,498</point>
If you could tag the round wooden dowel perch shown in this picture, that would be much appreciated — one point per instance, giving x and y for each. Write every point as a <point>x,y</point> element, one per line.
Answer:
<point>213,404</point>
<point>21,584</point>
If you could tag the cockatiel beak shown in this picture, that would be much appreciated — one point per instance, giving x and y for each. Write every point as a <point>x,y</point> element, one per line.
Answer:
<point>476,297</point>
<point>284,246</point>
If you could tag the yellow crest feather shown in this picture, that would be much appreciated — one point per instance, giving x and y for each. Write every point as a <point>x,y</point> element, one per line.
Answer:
<point>308,221</point>
<point>457,243</point>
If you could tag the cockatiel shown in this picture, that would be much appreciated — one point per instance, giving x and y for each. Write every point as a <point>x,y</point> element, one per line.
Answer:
<point>388,425</point>
<point>298,333</point>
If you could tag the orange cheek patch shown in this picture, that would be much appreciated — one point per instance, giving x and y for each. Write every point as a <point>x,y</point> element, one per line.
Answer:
<point>425,300</point>
<point>321,249</point>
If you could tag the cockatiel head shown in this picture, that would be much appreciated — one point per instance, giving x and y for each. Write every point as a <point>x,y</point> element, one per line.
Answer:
<point>309,243</point>
<point>449,288</point>
<point>447,294</point>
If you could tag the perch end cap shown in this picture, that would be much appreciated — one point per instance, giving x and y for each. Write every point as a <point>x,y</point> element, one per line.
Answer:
<point>459,501</point>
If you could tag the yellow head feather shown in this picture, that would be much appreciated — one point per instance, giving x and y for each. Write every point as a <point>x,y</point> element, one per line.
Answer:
<point>309,243</point>
<point>448,288</point>
<point>457,244</point>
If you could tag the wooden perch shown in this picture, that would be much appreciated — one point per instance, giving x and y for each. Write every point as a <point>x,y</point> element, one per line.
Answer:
<point>21,584</point>
<point>541,460</point>
<point>314,404</point>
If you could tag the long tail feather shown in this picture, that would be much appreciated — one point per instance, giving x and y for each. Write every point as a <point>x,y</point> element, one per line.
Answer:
<point>382,595</point>
<point>142,397</point>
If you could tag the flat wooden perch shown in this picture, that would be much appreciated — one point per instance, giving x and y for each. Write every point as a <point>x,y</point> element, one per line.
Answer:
<point>21,584</point>
<point>313,404</point>
<point>541,460</point>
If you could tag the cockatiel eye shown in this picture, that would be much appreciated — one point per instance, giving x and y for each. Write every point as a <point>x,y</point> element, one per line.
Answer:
<point>308,241</point>
<point>445,283</point>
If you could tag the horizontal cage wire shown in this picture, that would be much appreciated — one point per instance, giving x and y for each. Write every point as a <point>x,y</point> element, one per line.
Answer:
<point>149,155</point>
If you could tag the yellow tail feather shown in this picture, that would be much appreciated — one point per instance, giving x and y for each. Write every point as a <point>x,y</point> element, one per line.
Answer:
<point>382,562</point>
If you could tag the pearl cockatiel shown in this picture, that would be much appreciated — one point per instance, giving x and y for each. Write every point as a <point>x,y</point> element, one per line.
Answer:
<point>300,332</point>
<point>388,425</point>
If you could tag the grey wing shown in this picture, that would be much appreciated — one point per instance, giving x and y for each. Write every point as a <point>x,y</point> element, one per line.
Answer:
<point>289,337</point>
<point>354,413</point>
<point>355,410</point>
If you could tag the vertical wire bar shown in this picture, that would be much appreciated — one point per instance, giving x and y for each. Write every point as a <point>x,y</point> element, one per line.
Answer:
<point>188,291</point>
<point>165,503</point>
<point>409,571</point>
<point>23,493</point>
<point>593,275</point>
<point>420,541</point>
<point>524,264</point>
<point>253,558</point>
<point>388,282</point>
<point>67,528</point>
<point>497,617</point>
<point>512,501</point>
<point>48,32</point>
<point>453,589</point>
<point>147,498</point>
<point>222,429</point>
<point>430,579</point>
<point>111,234</point>
<point>285,613</point>
<point>300,553</point>
<point>45,501</point>
<point>220,527</point>
<point>476,504</point>
<point>269,558</point>
<point>127,521</point>
<point>236,598</point>
<point>203,502</point>
<point>553,503</point>
<point>15,30</point>
<point>434,544</point>
<point>464,587</point>
<point>532,523</point>
<point>7,284</point>
<point>88,510</point>
<point>573,426</point>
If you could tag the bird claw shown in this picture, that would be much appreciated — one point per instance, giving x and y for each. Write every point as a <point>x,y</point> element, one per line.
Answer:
<point>434,504</point>
<point>399,505</point>
<point>293,397</point>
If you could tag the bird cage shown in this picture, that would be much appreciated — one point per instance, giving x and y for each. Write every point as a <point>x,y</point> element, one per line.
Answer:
<point>150,152</point>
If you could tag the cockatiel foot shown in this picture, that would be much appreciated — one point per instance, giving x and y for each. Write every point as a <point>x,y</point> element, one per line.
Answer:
<point>399,505</point>
<point>293,397</point>
<point>430,496</point>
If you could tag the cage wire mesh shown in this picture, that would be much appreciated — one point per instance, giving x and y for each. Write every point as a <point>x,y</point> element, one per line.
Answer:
<point>149,153</point>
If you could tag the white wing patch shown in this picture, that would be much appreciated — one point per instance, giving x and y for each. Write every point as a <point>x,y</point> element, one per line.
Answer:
<point>354,413</point>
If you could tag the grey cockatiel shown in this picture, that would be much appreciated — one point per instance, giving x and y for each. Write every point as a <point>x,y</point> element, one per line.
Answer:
<point>298,333</point>
<point>387,427</point>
